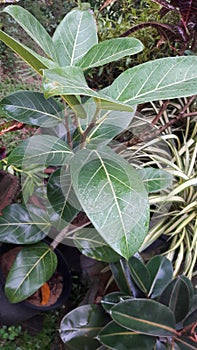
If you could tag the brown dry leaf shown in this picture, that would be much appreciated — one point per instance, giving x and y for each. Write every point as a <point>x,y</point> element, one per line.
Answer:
<point>45,292</point>
<point>107,3</point>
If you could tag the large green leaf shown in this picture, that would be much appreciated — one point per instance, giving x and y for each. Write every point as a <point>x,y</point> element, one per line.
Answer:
<point>161,272</point>
<point>90,243</point>
<point>18,227</point>
<point>32,108</point>
<point>164,78</point>
<point>34,265</point>
<point>36,61</point>
<point>140,274</point>
<point>119,338</point>
<point>40,149</point>
<point>155,179</point>
<point>62,196</point>
<point>74,36</point>
<point>113,197</point>
<point>33,28</point>
<point>173,296</point>
<point>80,327</point>
<point>71,81</point>
<point>145,316</point>
<point>109,51</point>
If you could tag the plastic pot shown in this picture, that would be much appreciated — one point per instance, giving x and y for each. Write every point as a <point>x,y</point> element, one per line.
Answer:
<point>12,314</point>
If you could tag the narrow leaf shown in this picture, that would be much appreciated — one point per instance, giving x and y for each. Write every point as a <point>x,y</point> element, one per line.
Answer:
<point>32,268</point>
<point>114,199</point>
<point>113,298</point>
<point>185,343</point>
<point>32,108</point>
<point>119,338</point>
<point>140,274</point>
<point>74,36</point>
<point>109,51</point>
<point>18,227</point>
<point>144,316</point>
<point>164,78</point>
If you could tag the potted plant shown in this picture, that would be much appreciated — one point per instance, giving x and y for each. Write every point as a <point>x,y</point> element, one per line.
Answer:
<point>93,198</point>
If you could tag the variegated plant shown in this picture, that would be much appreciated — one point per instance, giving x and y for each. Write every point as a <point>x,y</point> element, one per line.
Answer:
<point>73,144</point>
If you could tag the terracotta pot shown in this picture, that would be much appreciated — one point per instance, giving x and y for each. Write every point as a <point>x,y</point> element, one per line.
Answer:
<point>11,314</point>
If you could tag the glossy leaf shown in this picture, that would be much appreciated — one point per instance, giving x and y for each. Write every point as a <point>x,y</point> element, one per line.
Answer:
<point>173,296</point>
<point>112,197</point>
<point>32,108</point>
<point>80,327</point>
<point>119,338</point>
<point>161,272</point>
<point>18,227</point>
<point>61,195</point>
<point>120,278</point>
<point>192,315</point>
<point>161,79</point>
<point>113,298</point>
<point>140,274</point>
<point>144,316</point>
<point>109,51</point>
<point>32,268</point>
<point>155,179</point>
<point>90,243</point>
<point>74,36</point>
<point>40,149</point>
<point>32,27</point>
<point>71,81</point>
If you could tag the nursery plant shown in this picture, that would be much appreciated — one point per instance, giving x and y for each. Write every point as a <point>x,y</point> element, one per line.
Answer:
<point>151,311</point>
<point>75,127</point>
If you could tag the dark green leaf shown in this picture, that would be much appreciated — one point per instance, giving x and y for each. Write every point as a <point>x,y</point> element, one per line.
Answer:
<point>90,243</point>
<point>80,326</point>
<point>140,274</point>
<point>113,298</point>
<point>34,265</point>
<point>32,108</point>
<point>185,343</point>
<point>174,295</point>
<point>145,316</point>
<point>74,36</point>
<point>120,277</point>
<point>40,149</point>
<point>159,79</point>
<point>113,198</point>
<point>119,338</point>
<point>155,179</point>
<point>19,227</point>
<point>161,272</point>
<point>109,51</point>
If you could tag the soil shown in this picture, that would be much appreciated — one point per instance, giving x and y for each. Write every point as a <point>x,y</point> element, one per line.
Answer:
<point>54,285</point>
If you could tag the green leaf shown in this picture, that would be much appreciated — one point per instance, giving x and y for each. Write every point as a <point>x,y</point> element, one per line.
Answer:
<point>81,325</point>
<point>113,198</point>
<point>32,108</point>
<point>119,338</point>
<point>144,316</point>
<point>32,27</point>
<point>192,315</point>
<point>161,272</point>
<point>74,36</point>
<point>120,277</point>
<point>173,296</point>
<point>32,268</point>
<point>185,343</point>
<point>109,51</point>
<point>40,149</point>
<point>113,298</point>
<point>35,61</point>
<point>90,243</point>
<point>155,179</point>
<point>140,274</point>
<point>62,196</point>
<point>18,227</point>
<point>69,81</point>
<point>160,79</point>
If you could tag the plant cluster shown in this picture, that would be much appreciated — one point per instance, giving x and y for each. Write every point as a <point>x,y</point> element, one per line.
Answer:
<point>147,313</point>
